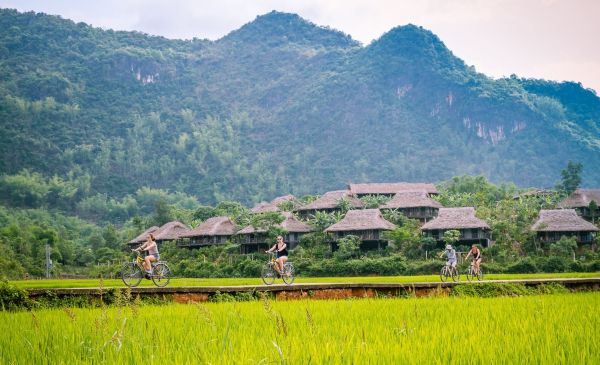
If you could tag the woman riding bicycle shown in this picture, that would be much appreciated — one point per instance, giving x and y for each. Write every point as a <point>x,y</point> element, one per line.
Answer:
<point>282,254</point>
<point>153,255</point>
<point>475,252</point>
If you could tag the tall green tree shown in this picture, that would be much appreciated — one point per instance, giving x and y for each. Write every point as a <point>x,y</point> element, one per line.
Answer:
<point>570,177</point>
<point>451,237</point>
<point>593,207</point>
<point>162,212</point>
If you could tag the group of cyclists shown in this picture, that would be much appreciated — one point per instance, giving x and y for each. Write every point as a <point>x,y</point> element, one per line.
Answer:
<point>280,248</point>
<point>474,253</point>
<point>152,254</point>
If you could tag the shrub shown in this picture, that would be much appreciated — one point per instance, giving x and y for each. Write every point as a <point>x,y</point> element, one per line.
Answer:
<point>556,264</point>
<point>12,298</point>
<point>348,247</point>
<point>493,268</point>
<point>524,266</point>
<point>564,247</point>
<point>249,268</point>
<point>424,267</point>
<point>576,266</point>
<point>592,266</point>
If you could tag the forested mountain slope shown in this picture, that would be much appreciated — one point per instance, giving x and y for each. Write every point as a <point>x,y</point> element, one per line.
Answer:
<point>278,106</point>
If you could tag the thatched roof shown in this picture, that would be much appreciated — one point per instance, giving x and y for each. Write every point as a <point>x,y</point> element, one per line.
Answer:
<point>290,224</point>
<point>390,188</point>
<point>581,198</point>
<point>534,192</point>
<point>562,220</point>
<point>170,231</point>
<point>411,199</point>
<point>215,226</point>
<point>361,220</point>
<point>144,235</point>
<point>272,206</point>
<point>455,218</point>
<point>264,207</point>
<point>330,200</point>
<point>282,199</point>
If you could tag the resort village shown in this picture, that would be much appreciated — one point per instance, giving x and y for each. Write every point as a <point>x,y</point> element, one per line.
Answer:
<point>572,217</point>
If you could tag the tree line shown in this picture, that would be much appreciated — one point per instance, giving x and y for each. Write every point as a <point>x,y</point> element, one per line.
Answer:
<point>83,230</point>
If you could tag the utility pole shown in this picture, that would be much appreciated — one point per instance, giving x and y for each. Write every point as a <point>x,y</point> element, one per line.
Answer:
<point>48,262</point>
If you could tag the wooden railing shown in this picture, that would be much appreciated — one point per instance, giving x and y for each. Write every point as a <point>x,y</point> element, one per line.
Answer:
<point>363,235</point>
<point>588,238</point>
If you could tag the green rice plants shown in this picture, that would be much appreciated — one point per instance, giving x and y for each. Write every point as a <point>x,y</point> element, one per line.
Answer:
<point>533,329</point>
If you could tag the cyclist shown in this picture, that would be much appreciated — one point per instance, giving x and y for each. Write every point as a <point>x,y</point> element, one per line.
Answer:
<point>451,255</point>
<point>282,254</point>
<point>153,255</point>
<point>475,253</point>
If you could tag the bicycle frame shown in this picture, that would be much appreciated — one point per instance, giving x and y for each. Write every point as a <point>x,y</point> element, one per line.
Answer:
<point>139,261</point>
<point>472,273</point>
<point>159,272</point>
<point>273,262</point>
<point>449,271</point>
<point>271,271</point>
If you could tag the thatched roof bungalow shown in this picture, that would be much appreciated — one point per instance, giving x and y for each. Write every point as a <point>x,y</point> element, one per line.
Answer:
<point>538,193</point>
<point>170,231</point>
<point>368,224</point>
<point>389,189</point>
<point>254,239</point>
<point>553,224</point>
<point>329,202</point>
<point>142,237</point>
<point>580,200</point>
<point>272,206</point>
<point>213,231</point>
<point>472,229</point>
<point>264,207</point>
<point>414,204</point>
<point>283,199</point>
<point>167,232</point>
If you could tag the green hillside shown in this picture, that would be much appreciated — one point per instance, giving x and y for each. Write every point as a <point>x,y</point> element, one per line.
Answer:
<point>278,106</point>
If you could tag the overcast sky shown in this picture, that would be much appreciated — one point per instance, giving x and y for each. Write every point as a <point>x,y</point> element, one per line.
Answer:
<point>550,39</point>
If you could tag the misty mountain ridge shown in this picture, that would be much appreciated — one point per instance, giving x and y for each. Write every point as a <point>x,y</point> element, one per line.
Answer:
<point>280,105</point>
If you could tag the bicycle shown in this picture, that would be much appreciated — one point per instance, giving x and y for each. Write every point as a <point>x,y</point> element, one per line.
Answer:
<point>133,272</point>
<point>472,273</point>
<point>449,271</point>
<point>271,269</point>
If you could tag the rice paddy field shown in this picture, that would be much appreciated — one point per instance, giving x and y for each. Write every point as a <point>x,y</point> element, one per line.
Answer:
<point>256,281</point>
<point>547,329</point>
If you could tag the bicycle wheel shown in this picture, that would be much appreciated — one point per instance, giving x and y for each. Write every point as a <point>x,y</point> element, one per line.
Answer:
<point>470,275</point>
<point>267,274</point>
<point>480,275</point>
<point>288,273</point>
<point>161,274</point>
<point>131,275</point>
<point>444,274</point>
<point>455,274</point>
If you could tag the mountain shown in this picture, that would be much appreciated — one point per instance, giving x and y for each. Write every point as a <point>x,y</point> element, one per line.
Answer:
<point>280,105</point>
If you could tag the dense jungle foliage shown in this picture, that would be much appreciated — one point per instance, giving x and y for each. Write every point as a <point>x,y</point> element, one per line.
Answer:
<point>93,242</point>
<point>278,106</point>
<point>105,133</point>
